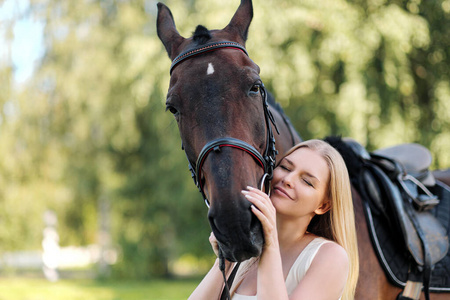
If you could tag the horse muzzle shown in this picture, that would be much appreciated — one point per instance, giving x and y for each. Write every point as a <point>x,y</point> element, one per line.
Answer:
<point>239,234</point>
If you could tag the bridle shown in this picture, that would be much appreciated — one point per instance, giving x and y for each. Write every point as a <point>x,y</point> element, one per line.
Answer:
<point>265,160</point>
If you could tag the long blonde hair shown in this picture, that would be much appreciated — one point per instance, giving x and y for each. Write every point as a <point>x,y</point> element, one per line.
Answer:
<point>338,224</point>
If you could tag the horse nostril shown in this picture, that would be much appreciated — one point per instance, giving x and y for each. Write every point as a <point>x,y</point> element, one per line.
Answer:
<point>214,226</point>
<point>255,224</point>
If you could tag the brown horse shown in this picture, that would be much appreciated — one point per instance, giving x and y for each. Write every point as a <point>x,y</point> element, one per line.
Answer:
<point>218,100</point>
<point>219,103</point>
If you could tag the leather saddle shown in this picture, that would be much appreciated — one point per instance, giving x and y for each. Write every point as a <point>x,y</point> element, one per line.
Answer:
<point>399,197</point>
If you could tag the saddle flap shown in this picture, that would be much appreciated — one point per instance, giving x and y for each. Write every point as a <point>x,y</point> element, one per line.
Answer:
<point>415,158</point>
<point>434,235</point>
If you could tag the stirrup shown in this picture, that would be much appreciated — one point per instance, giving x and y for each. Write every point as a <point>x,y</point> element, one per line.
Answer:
<point>421,202</point>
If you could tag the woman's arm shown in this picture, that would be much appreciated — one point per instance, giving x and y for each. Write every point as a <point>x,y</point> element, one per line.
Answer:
<point>270,282</point>
<point>211,286</point>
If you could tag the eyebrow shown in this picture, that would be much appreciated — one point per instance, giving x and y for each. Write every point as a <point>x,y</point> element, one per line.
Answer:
<point>289,161</point>
<point>306,172</point>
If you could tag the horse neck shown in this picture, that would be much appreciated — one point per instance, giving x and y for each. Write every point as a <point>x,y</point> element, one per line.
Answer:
<point>288,136</point>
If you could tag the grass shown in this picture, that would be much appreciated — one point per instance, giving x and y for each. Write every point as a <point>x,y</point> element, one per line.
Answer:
<point>40,289</point>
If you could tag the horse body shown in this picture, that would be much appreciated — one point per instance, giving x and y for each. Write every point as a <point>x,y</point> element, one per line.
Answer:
<point>217,95</point>
<point>372,283</point>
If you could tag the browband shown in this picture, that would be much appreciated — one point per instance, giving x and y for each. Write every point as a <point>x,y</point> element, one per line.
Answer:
<point>206,48</point>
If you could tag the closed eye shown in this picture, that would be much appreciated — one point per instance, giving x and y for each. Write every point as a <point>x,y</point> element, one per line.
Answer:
<point>308,183</point>
<point>284,168</point>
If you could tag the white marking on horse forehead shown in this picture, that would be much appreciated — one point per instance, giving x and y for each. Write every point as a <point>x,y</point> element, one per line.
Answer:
<point>210,69</point>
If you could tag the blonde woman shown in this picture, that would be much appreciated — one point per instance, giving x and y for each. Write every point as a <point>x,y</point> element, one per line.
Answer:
<point>310,247</point>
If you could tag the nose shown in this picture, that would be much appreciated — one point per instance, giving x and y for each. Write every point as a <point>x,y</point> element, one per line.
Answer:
<point>287,181</point>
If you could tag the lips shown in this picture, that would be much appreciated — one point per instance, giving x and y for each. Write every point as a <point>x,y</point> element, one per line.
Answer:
<point>281,191</point>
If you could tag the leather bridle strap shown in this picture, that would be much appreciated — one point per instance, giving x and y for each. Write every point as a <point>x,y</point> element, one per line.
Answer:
<point>206,48</point>
<point>215,146</point>
<point>266,160</point>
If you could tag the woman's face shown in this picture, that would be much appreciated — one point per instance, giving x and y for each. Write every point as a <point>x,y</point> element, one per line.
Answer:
<point>300,182</point>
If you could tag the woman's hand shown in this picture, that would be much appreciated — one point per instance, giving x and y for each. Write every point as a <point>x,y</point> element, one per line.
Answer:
<point>214,244</point>
<point>270,279</point>
<point>265,211</point>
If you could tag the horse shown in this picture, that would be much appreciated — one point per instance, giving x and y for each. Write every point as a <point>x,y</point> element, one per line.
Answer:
<point>226,121</point>
<point>219,101</point>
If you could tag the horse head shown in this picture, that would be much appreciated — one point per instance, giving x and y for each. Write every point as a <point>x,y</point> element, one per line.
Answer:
<point>217,98</point>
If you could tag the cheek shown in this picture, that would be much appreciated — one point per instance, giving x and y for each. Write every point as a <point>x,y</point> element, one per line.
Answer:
<point>308,197</point>
<point>276,177</point>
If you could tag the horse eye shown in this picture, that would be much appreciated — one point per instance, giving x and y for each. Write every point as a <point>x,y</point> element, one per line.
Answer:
<point>172,109</point>
<point>255,89</point>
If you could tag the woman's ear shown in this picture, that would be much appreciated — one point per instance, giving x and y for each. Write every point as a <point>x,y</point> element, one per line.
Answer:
<point>324,207</point>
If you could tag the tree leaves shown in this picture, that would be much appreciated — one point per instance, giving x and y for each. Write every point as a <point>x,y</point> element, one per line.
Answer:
<point>91,121</point>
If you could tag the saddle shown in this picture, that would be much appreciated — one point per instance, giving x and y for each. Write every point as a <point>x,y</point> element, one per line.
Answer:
<point>402,203</point>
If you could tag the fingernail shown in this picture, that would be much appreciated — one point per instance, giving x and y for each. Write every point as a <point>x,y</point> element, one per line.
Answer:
<point>244,192</point>
<point>250,188</point>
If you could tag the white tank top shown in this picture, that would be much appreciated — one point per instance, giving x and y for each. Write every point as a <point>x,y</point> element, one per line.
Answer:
<point>298,269</point>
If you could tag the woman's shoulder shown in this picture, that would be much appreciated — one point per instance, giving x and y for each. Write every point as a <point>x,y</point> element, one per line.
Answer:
<point>316,245</point>
<point>330,253</point>
<point>329,264</point>
<point>322,244</point>
<point>331,248</point>
<point>316,258</point>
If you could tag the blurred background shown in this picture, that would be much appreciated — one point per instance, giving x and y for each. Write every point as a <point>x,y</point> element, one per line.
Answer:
<point>95,194</point>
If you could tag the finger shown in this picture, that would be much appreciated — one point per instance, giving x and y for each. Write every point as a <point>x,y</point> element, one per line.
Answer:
<point>214,243</point>
<point>268,227</point>
<point>256,201</point>
<point>261,210</point>
<point>257,194</point>
<point>261,217</point>
<point>260,194</point>
<point>257,191</point>
<point>260,201</point>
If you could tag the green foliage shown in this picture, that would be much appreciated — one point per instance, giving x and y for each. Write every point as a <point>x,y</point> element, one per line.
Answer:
<point>91,125</point>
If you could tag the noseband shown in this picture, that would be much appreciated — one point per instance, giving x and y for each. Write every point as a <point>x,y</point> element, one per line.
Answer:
<point>265,160</point>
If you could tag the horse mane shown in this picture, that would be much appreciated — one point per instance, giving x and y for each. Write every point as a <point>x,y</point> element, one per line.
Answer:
<point>353,162</point>
<point>201,35</point>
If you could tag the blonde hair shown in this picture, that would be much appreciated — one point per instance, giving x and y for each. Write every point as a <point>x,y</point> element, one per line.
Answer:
<point>338,224</point>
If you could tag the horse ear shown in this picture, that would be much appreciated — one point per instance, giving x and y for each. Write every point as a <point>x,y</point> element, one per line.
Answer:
<point>241,20</point>
<point>167,31</point>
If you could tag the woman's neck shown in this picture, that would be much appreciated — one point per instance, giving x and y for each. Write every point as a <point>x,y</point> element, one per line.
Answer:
<point>291,231</point>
